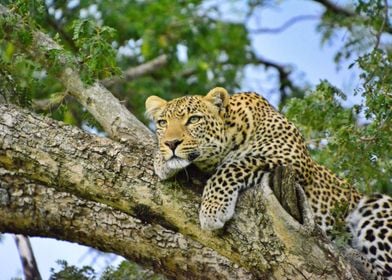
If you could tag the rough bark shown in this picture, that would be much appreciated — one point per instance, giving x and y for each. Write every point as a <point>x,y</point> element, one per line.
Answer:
<point>37,209</point>
<point>59,181</point>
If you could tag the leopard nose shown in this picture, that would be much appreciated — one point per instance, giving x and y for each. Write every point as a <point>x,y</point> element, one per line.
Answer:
<point>173,144</point>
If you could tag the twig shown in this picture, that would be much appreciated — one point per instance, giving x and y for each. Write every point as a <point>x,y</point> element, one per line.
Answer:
<point>285,25</point>
<point>317,140</point>
<point>138,71</point>
<point>368,139</point>
<point>49,104</point>
<point>286,85</point>
<point>384,21</point>
<point>299,271</point>
<point>52,22</point>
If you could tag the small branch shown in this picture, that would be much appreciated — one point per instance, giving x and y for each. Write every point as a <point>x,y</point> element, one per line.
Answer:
<point>187,73</point>
<point>49,104</point>
<point>317,140</point>
<point>368,139</point>
<point>285,25</point>
<point>29,264</point>
<point>335,8</point>
<point>138,71</point>
<point>55,25</point>
<point>384,21</point>
<point>114,118</point>
<point>286,85</point>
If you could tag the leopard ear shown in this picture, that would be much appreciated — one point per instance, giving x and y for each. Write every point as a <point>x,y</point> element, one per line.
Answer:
<point>218,96</point>
<point>154,105</point>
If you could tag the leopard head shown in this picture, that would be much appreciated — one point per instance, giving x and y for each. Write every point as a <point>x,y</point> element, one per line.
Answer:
<point>190,129</point>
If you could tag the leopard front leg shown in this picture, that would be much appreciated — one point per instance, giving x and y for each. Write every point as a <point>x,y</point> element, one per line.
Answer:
<point>221,191</point>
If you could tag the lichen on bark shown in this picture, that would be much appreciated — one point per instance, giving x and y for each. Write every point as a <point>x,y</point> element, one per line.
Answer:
<point>101,190</point>
<point>58,181</point>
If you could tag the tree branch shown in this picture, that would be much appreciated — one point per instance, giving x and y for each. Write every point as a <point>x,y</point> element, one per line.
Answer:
<point>286,84</point>
<point>68,169</point>
<point>335,8</point>
<point>116,120</point>
<point>56,26</point>
<point>285,25</point>
<point>69,178</point>
<point>102,170</point>
<point>331,7</point>
<point>48,104</point>
<point>30,268</point>
<point>43,211</point>
<point>138,71</point>
<point>385,20</point>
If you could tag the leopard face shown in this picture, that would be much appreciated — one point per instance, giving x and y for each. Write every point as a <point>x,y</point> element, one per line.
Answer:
<point>190,129</point>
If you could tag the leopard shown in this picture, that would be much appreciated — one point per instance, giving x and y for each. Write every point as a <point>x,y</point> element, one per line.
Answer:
<point>239,138</point>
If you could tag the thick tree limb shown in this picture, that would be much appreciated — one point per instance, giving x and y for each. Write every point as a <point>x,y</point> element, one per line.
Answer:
<point>113,180</point>
<point>42,211</point>
<point>111,185</point>
<point>104,171</point>
<point>115,119</point>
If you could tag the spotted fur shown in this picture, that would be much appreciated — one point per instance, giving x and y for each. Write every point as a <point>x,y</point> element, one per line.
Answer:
<point>371,227</point>
<point>237,139</point>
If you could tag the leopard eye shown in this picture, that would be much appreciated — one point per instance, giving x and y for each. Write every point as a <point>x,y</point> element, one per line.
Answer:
<point>193,120</point>
<point>161,123</point>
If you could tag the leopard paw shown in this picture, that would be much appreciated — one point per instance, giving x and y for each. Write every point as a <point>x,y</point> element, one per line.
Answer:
<point>213,215</point>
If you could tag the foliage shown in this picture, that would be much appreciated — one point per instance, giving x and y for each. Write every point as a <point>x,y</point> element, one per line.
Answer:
<point>97,57</point>
<point>355,142</point>
<point>339,231</point>
<point>11,91</point>
<point>70,272</point>
<point>203,52</point>
<point>129,271</point>
<point>124,271</point>
<point>353,146</point>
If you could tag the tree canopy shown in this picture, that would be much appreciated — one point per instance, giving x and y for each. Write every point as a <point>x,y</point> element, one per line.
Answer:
<point>197,45</point>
